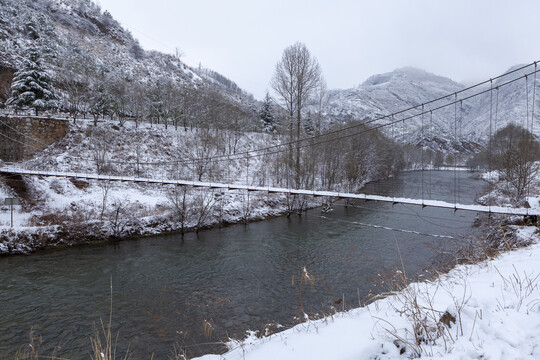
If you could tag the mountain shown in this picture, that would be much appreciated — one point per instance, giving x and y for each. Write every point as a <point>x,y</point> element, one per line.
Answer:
<point>387,93</point>
<point>83,47</point>
<point>509,101</point>
<point>452,127</point>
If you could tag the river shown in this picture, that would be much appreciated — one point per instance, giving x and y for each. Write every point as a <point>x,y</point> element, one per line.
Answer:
<point>238,277</point>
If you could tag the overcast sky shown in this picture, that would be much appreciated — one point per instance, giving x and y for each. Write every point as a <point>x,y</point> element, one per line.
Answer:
<point>466,40</point>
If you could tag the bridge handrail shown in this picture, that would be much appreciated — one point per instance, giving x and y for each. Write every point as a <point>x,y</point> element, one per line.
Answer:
<point>361,196</point>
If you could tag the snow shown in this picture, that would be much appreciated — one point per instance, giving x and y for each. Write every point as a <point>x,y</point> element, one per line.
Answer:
<point>20,218</point>
<point>534,202</point>
<point>138,201</point>
<point>495,305</point>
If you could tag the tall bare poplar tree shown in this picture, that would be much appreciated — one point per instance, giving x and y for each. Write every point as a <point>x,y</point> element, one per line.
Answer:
<point>295,79</point>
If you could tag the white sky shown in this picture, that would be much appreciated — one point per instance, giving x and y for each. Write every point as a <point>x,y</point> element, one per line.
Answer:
<point>466,40</point>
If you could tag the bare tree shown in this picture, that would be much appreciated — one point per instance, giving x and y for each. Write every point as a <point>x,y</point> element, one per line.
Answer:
<point>76,91</point>
<point>120,217</point>
<point>78,69</point>
<point>135,102</point>
<point>105,187</point>
<point>119,89</point>
<point>205,200</point>
<point>205,143</point>
<point>100,142</point>
<point>156,94</point>
<point>515,153</point>
<point>295,79</point>
<point>180,199</point>
<point>138,139</point>
<point>321,101</point>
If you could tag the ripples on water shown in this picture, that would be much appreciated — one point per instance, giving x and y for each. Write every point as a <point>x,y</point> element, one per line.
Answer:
<point>237,277</point>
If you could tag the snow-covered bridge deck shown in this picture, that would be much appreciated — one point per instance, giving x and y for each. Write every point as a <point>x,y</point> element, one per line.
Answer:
<point>340,195</point>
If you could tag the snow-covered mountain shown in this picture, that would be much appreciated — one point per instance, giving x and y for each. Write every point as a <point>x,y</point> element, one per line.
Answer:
<point>387,93</point>
<point>451,127</point>
<point>509,101</point>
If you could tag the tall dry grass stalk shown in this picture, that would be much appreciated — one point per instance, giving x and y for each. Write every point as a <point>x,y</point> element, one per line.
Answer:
<point>103,343</point>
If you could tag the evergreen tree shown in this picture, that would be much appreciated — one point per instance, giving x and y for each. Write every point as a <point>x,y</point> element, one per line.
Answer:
<point>31,85</point>
<point>100,104</point>
<point>266,114</point>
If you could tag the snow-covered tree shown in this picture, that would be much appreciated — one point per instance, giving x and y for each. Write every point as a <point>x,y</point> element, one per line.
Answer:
<point>75,80</point>
<point>31,85</point>
<point>295,79</point>
<point>266,114</point>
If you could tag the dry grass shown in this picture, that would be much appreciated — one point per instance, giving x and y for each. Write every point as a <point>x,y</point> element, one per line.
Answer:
<point>103,343</point>
<point>178,353</point>
<point>31,351</point>
<point>428,326</point>
<point>522,285</point>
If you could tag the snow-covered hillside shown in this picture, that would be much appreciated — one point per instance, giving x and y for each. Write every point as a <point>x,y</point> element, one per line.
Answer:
<point>386,93</point>
<point>509,102</point>
<point>94,60</point>
<point>75,35</point>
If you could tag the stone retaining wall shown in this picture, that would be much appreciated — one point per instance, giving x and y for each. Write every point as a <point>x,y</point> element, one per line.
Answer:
<point>22,136</point>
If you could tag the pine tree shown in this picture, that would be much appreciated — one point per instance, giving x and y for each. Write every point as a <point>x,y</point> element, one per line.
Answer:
<point>31,85</point>
<point>266,114</point>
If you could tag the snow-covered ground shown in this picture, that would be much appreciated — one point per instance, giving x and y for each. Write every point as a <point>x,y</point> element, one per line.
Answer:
<point>489,310</point>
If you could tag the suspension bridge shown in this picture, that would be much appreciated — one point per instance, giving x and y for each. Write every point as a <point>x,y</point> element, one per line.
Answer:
<point>391,120</point>
<point>276,190</point>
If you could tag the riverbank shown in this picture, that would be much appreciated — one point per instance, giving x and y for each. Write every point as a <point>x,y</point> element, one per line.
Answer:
<point>487,310</point>
<point>64,212</point>
<point>69,230</point>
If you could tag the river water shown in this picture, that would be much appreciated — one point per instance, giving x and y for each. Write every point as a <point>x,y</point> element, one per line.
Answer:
<point>236,278</point>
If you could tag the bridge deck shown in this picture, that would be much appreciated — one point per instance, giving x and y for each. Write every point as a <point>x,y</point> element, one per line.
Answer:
<point>213,185</point>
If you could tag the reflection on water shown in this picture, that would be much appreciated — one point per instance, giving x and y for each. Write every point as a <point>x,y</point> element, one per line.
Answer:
<point>237,278</point>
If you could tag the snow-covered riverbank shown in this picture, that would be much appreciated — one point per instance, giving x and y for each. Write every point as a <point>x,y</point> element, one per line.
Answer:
<point>59,211</point>
<point>489,310</point>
